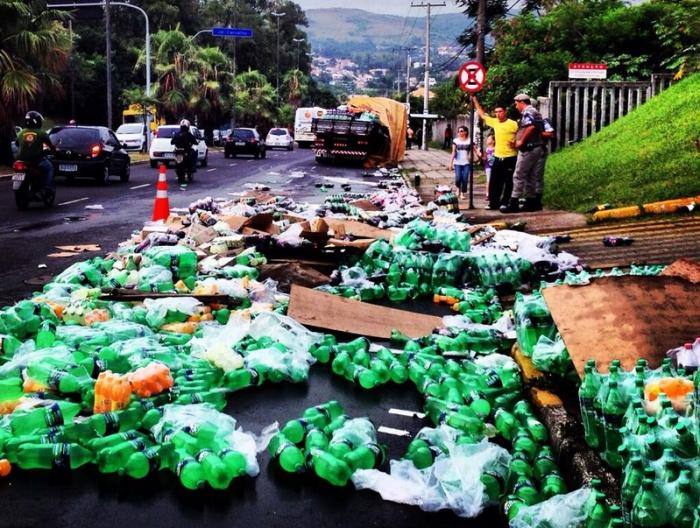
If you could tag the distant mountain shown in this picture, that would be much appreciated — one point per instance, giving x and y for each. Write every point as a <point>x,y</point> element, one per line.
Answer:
<point>390,7</point>
<point>358,30</point>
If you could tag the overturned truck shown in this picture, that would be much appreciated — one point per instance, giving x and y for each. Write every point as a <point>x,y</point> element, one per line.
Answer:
<point>371,130</point>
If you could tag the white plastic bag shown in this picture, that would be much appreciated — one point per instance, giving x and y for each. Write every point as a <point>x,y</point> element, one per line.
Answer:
<point>560,511</point>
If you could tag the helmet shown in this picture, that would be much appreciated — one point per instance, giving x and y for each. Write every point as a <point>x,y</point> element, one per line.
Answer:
<point>184,123</point>
<point>33,119</point>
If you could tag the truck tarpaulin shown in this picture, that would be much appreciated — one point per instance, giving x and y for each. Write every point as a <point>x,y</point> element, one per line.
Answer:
<point>392,115</point>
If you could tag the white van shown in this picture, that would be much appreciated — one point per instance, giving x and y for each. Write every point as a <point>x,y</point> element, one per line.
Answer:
<point>302,125</point>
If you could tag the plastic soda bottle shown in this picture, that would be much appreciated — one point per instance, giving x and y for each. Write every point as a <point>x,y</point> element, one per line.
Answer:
<point>43,416</point>
<point>365,457</point>
<point>235,462</point>
<point>613,413</point>
<point>682,511</point>
<point>53,456</point>
<point>214,470</point>
<point>586,395</point>
<point>330,468</point>
<point>289,456</point>
<point>5,467</point>
<point>646,509</point>
<point>150,460</point>
<point>188,470</point>
<point>241,378</point>
<point>114,458</point>
<point>632,483</point>
<point>295,430</point>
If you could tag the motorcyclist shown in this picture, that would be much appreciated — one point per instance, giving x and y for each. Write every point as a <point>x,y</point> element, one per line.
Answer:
<point>184,139</point>
<point>31,140</point>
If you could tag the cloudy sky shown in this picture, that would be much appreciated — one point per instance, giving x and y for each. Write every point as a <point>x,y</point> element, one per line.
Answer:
<point>393,7</point>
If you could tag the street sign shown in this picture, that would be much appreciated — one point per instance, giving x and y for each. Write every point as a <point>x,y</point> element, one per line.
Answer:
<point>425,116</point>
<point>588,70</point>
<point>231,32</point>
<point>471,76</point>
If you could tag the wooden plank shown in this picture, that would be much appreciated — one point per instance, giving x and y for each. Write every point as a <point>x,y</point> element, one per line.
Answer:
<point>621,103</point>
<point>594,110</point>
<point>603,105</point>
<point>331,312</point>
<point>625,318</point>
<point>584,119</point>
<point>560,120</point>
<point>568,116</point>
<point>577,124</point>
<point>612,105</point>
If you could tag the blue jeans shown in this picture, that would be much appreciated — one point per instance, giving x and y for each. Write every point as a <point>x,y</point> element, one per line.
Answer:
<point>462,173</point>
<point>46,168</point>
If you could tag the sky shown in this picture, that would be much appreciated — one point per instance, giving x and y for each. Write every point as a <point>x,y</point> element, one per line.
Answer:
<point>392,7</point>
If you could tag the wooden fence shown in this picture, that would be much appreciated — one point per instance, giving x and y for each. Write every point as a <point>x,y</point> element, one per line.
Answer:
<point>577,109</point>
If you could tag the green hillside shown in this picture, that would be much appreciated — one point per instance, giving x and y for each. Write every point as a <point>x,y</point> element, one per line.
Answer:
<point>646,156</point>
<point>358,27</point>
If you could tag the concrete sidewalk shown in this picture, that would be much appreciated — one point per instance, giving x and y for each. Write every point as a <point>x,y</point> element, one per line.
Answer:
<point>433,167</point>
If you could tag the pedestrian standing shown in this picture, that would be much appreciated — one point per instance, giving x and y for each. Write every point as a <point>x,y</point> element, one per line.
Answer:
<point>504,130</point>
<point>409,137</point>
<point>460,162</point>
<point>531,151</point>
<point>449,136</point>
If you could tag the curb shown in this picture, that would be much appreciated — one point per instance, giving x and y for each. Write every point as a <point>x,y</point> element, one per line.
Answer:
<point>580,463</point>
<point>662,207</point>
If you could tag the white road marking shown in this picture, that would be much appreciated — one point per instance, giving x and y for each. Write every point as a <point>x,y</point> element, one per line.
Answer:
<point>211,170</point>
<point>139,186</point>
<point>75,201</point>
<point>232,164</point>
<point>392,431</point>
<point>410,414</point>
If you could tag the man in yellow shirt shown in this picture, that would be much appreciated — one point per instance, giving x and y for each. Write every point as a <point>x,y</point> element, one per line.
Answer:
<point>501,182</point>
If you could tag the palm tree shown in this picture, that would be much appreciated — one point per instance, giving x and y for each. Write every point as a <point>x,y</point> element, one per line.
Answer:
<point>254,97</point>
<point>172,55</point>
<point>209,96</point>
<point>296,84</point>
<point>34,49</point>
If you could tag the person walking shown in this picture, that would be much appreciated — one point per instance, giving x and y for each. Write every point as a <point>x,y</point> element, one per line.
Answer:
<point>460,161</point>
<point>504,130</point>
<point>449,136</point>
<point>531,151</point>
<point>409,137</point>
<point>489,156</point>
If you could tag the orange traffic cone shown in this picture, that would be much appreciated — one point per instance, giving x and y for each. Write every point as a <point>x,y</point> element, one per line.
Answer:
<point>161,207</point>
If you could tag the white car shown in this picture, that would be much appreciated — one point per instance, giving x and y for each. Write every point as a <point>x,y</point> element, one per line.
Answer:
<point>132,136</point>
<point>279,138</point>
<point>162,151</point>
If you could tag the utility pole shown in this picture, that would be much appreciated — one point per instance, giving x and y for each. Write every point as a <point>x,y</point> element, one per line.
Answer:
<point>277,16</point>
<point>480,31</point>
<point>108,52</point>
<point>298,41</point>
<point>408,73</point>
<point>426,78</point>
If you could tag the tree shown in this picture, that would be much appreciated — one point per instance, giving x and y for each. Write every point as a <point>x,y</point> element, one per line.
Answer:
<point>295,84</point>
<point>254,98</point>
<point>34,49</point>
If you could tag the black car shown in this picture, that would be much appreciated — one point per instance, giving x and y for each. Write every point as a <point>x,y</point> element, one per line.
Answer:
<point>244,141</point>
<point>91,151</point>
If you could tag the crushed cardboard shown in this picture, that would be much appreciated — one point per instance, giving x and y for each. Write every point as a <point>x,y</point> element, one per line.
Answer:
<point>80,248</point>
<point>625,318</point>
<point>331,312</point>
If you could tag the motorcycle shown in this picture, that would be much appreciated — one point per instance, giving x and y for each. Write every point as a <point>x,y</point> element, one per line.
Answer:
<point>28,186</point>
<point>183,166</point>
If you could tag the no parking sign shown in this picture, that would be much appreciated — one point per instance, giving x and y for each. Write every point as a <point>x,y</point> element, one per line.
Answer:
<point>471,76</point>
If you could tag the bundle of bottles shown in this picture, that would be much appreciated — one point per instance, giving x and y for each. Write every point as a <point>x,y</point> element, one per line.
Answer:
<point>646,423</point>
<point>328,441</point>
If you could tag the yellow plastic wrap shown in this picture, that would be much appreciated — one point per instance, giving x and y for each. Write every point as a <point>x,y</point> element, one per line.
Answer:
<point>392,115</point>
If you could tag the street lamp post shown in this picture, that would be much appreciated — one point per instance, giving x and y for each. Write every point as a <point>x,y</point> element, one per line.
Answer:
<point>298,41</point>
<point>148,43</point>
<point>277,16</point>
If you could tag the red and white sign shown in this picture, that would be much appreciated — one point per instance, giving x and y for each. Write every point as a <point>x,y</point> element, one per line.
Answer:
<point>588,70</point>
<point>471,76</point>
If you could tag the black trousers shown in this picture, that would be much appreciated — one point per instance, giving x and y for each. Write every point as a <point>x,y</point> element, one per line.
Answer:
<point>501,182</point>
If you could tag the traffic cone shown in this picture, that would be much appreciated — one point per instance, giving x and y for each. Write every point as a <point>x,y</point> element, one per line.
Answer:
<point>161,207</point>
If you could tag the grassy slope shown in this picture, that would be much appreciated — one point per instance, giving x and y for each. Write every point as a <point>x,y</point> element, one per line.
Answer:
<point>355,25</point>
<point>647,155</point>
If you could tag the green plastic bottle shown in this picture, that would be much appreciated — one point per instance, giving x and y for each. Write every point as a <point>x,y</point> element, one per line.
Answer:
<point>214,470</point>
<point>241,378</point>
<point>544,463</point>
<point>683,504</point>
<point>53,456</point>
<point>41,417</point>
<point>493,485</point>
<point>631,484</point>
<point>142,463</point>
<point>11,389</point>
<point>235,462</point>
<point>586,395</point>
<point>647,508</point>
<point>553,484</point>
<point>295,430</point>
<point>315,438</point>
<point>288,455</point>
<point>599,515</point>
<point>103,442</point>
<point>506,424</point>
<point>366,456</point>
<point>112,459</point>
<point>330,468</point>
<point>188,470</point>
<point>613,413</point>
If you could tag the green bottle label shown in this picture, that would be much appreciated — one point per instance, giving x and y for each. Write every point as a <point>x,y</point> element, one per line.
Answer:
<point>153,458</point>
<point>204,453</point>
<point>112,423</point>
<point>282,447</point>
<point>61,456</point>
<point>54,379</point>
<point>53,416</point>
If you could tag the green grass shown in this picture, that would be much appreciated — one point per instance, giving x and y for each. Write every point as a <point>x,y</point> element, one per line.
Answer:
<point>646,156</point>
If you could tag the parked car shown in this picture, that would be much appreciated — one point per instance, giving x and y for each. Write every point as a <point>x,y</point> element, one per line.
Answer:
<point>92,151</point>
<point>244,141</point>
<point>162,151</point>
<point>279,138</point>
<point>133,136</point>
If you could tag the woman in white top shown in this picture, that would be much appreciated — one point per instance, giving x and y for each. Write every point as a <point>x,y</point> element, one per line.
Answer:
<point>460,162</point>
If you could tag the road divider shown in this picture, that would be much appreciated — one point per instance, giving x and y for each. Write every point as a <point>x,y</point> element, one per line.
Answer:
<point>75,201</point>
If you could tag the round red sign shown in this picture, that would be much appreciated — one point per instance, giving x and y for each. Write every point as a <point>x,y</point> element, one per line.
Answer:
<point>471,76</point>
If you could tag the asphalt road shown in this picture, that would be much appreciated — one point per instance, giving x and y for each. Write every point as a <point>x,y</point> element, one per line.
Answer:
<point>272,499</point>
<point>28,237</point>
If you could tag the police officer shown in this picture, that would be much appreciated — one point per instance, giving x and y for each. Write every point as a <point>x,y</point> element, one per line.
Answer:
<point>531,151</point>
<point>31,141</point>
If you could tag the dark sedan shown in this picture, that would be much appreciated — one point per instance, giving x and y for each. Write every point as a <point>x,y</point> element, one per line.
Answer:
<point>90,151</point>
<point>244,141</point>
